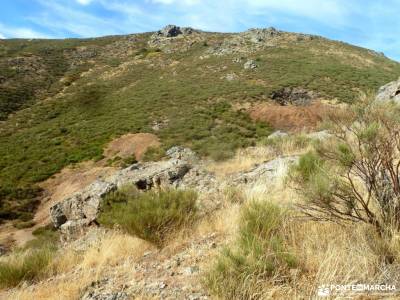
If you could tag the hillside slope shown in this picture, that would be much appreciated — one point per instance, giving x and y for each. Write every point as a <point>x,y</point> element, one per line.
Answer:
<point>61,101</point>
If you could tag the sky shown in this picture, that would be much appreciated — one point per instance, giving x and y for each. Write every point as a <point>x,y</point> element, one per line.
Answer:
<point>374,24</point>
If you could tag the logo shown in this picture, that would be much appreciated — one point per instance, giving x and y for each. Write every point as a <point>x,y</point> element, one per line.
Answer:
<point>323,291</point>
<point>343,289</point>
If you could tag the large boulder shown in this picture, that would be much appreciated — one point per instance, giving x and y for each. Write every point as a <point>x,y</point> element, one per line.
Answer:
<point>390,91</point>
<point>82,205</point>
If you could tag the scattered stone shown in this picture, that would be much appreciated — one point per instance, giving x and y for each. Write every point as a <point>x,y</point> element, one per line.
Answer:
<point>97,291</point>
<point>250,64</point>
<point>158,125</point>
<point>320,135</point>
<point>277,135</point>
<point>196,296</point>
<point>267,171</point>
<point>231,76</point>
<point>390,91</point>
<point>237,60</point>
<point>105,296</point>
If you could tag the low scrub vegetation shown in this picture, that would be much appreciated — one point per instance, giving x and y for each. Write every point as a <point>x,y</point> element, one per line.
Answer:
<point>356,176</point>
<point>260,252</point>
<point>151,216</point>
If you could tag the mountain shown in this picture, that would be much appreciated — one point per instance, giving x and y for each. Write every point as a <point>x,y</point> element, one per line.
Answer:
<point>62,101</point>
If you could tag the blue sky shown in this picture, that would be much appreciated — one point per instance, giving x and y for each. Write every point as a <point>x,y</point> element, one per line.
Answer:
<point>373,24</point>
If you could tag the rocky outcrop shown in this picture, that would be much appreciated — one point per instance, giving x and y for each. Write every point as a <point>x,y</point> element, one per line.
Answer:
<point>267,171</point>
<point>82,208</point>
<point>294,96</point>
<point>254,40</point>
<point>183,170</point>
<point>173,31</point>
<point>173,38</point>
<point>390,91</point>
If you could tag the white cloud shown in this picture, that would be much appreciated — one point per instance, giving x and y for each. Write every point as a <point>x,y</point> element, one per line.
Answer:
<point>2,36</point>
<point>61,19</point>
<point>21,32</point>
<point>84,2</point>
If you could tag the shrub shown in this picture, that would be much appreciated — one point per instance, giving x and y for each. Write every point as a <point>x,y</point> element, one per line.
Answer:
<point>356,176</point>
<point>260,252</point>
<point>27,266</point>
<point>152,216</point>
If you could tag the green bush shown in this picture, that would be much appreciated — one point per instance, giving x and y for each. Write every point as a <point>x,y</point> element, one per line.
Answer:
<point>309,164</point>
<point>354,177</point>
<point>27,266</point>
<point>152,216</point>
<point>261,252</point>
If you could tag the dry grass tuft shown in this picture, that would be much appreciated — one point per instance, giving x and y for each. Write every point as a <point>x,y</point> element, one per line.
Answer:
<point>72,271</point>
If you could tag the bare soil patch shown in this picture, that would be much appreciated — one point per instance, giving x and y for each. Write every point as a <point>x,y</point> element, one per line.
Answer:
<point>131,144</point>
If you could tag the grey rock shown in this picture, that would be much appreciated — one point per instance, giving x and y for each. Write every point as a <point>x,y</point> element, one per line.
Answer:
<point>265,171</point>
<point>277,134</point>
<point>173,31</point>
<point>250,64</point>
<point>257,35</point>
<point>320,135</point>
<point>390,91</point>
<point>181,153</point>
<point>73,228</point>
<point>83,205</point>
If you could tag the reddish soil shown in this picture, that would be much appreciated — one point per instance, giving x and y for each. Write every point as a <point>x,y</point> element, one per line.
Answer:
<point>290,117</point>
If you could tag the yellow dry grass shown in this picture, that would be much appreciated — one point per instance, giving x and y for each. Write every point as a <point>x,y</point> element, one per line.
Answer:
<point>245,159</point>
<point>72,271</point>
